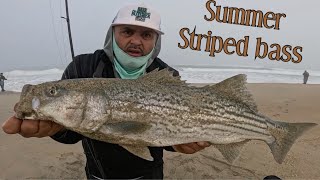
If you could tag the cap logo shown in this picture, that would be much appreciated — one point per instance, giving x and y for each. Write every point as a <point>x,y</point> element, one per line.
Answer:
<point>141,14</point>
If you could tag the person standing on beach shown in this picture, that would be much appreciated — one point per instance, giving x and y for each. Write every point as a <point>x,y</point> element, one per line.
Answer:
<point>2,78</point>
<point>131,49</point>
<point>305,77</point>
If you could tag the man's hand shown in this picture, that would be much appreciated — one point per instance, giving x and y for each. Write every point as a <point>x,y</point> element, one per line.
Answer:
<point>31,128</point>
<point>191,148</point>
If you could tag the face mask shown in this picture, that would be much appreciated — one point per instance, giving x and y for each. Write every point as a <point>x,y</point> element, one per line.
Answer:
<point>129,67</point>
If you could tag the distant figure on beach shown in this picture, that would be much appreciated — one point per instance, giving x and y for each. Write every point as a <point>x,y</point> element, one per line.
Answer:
<point>305,77</point>
<point>2,78</point>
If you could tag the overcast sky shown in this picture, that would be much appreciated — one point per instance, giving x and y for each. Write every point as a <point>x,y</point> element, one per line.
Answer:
<point>32,34</point>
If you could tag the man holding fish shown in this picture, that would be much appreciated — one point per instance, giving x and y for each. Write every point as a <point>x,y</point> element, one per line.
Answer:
<point>131,48</point>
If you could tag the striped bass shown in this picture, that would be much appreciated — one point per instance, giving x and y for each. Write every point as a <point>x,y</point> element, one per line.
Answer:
<point>158,109</point>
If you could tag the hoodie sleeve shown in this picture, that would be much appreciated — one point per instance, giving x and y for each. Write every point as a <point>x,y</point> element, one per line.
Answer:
<point>169,148</point>
<point>67,137</point>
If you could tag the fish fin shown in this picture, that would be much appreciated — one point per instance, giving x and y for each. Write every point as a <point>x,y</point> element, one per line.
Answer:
<point>284,137</point>
<point>235,88</point>
<point>163,76</point>
<point>231,151</point>
<point>126,127</point>
<point>140,151</point>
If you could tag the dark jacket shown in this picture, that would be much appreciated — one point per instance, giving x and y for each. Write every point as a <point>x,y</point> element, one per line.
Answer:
<point>105,160</point>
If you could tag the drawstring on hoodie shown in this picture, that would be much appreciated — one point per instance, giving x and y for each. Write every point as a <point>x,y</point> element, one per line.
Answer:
<point>99,70</point>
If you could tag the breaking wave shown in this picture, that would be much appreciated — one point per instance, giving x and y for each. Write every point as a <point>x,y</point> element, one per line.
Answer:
<point>192,74</point>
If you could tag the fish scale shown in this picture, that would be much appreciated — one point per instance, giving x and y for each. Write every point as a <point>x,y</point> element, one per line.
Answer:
<point>188,129</point>
<point>219,110</point>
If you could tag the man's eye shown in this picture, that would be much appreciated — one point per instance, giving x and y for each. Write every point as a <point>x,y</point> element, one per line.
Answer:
<point>147,35</point>
<point>127,33</point>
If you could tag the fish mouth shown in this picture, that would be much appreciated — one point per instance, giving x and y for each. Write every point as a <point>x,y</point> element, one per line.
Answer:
<point>30,113</point>
<point>27,115</point>
<point>31,116</point>
<point>35,106</point>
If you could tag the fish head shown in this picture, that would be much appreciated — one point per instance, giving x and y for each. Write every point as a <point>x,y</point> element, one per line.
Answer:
<point>51,101</point>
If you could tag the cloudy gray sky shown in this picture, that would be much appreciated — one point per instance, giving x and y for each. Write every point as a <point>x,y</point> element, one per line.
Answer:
<point>33,36</point>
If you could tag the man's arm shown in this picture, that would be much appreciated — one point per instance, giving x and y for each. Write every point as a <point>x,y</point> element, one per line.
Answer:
<point>191,148</point>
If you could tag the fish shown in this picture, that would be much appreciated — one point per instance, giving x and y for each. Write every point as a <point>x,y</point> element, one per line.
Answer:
<point>157,110</point>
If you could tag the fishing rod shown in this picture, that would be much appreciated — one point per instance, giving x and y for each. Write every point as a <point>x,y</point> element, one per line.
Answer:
<point>70,37</point>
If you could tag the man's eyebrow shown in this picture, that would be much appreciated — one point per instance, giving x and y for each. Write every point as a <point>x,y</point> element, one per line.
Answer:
<point>126,28</point>
<point>149,31</point>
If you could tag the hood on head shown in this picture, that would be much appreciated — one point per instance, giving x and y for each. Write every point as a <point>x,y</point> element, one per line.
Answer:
<point>138,15</point>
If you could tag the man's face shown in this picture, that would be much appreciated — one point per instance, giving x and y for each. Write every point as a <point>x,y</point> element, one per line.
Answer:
<point>136,41</point>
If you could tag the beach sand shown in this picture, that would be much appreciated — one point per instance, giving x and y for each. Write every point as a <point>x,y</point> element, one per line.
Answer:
<point>43,158</point>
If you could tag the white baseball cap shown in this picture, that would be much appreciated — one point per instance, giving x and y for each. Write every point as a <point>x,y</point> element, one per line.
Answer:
<point>138,15</point>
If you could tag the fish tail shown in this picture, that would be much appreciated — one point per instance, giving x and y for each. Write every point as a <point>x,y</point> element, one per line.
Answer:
<point>285,135</point>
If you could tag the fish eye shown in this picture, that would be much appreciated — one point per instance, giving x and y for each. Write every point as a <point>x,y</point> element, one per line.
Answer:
<point>52,91</point>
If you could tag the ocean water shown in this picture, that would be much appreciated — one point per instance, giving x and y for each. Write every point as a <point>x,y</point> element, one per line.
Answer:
<point>192,74</point>
<point>18,78</point>
<point>202,74</point>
